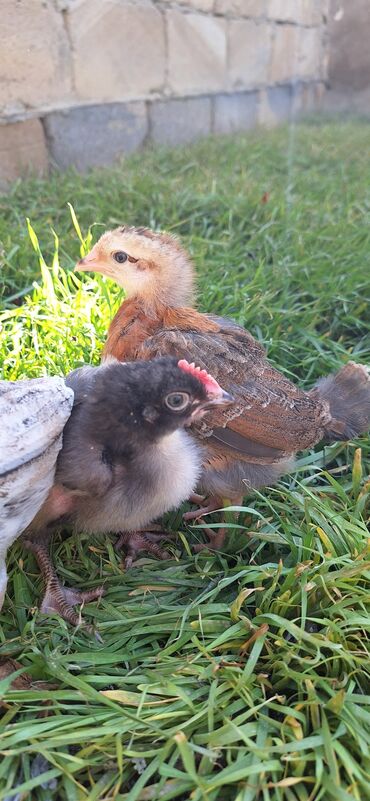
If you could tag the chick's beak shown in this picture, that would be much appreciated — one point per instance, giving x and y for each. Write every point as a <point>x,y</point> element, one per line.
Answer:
<point>89,262</point>
<point>220,398</point>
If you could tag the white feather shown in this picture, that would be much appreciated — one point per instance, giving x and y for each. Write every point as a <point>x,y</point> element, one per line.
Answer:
<point>33,413</point>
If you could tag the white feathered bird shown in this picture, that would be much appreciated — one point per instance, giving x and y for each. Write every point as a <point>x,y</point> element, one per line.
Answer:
<point>33,413</point>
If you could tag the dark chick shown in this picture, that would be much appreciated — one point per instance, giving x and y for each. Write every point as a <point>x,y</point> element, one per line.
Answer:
<point>251,444</point>
<point>126,457</point>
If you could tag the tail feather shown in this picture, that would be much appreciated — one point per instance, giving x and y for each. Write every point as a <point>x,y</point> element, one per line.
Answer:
<point>348,395</point>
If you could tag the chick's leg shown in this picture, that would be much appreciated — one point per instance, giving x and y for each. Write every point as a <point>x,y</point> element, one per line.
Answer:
<point>58,598</point>
<point>216,537</point>
<point>136,541</point>
<point>216,540</point>
<point>211,504</point>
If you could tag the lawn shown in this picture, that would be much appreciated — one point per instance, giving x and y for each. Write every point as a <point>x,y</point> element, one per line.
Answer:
<point>234,676</point>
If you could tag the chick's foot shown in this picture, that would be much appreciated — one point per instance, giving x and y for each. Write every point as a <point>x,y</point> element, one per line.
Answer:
<point>216,537</point>
<point>196,498</point>
<point>136,541</point>
<point>211,504</point>
<point>216,540</point>
<point>58,598</point>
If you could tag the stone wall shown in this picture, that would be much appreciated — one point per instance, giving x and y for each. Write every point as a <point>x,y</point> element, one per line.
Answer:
<point>349,56</point>
<point>84,81</point>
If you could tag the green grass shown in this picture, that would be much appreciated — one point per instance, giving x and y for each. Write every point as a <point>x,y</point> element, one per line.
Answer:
<point>235,676</point>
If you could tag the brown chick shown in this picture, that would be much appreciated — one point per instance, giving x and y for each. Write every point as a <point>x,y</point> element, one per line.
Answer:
<point>251,444</point>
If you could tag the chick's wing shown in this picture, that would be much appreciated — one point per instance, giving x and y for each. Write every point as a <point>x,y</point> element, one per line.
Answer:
<point>269,409</point>
<point>82,463</point>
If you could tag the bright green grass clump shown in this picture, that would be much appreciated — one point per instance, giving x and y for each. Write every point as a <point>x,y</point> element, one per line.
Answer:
<point>234,676</point>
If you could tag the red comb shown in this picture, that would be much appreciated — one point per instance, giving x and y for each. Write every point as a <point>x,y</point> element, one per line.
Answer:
<point>210,383</point>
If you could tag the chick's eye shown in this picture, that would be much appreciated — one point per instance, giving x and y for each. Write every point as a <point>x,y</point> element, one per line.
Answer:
<point>177,401</point>
<point>120,256</point>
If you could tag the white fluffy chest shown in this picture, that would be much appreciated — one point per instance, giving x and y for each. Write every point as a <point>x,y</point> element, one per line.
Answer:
<point>161,479</point>
<point>175,467</point>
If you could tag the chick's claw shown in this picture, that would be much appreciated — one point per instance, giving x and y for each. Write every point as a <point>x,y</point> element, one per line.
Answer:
<point>134,542</point>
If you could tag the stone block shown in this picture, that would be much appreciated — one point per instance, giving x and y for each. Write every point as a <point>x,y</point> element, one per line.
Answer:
<point>340,102</point>
<point>95,135</point>
<point>309,53</point>
<point>199,5</point>
<point>308,97</point>
<point>249,53</point>
<point>235,112</point>
<point>118,49</point>
<point>175,122</point>
<point>302,12</point>
<point>22,150</point>
<point>349,46</point>
<point>35,68</point>
<point>196,52</point>
<point>195,5</point>
<point>284,54</point>
<point>241,8</point>
<point>276,105</point>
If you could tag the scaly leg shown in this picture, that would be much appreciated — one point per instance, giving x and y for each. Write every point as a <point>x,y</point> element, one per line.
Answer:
<point>216,537</point>
<point>56,597</point>
<point>136,541</point>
